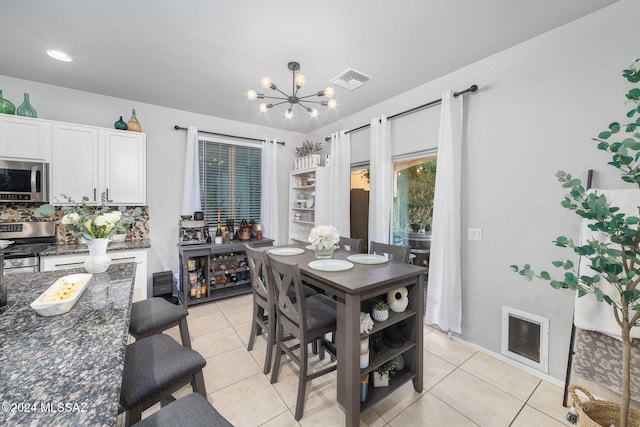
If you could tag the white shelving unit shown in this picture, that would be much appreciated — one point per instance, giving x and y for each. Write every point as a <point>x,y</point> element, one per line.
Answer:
<point>308,201</point>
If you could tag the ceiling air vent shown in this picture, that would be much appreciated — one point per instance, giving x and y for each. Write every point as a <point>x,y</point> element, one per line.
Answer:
<point>350,79</point>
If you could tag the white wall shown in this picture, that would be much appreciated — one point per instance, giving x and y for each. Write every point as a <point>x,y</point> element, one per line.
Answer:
<point>538,107</point>
<point>165,151</point>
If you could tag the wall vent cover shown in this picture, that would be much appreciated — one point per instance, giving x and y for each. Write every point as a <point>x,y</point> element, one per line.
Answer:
<point>350,79</point>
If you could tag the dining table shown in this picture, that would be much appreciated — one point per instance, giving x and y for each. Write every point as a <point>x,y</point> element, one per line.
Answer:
<point>356,283</point>
<point>65,369</point>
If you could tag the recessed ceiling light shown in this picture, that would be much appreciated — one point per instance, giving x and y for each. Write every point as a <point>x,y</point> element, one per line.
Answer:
<point>60,56</point>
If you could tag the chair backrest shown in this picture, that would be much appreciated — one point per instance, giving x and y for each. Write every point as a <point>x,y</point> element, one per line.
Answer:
<point>290,314</point>
<point>261,275</point>
<point>393,252</point>
<point>351,245</point>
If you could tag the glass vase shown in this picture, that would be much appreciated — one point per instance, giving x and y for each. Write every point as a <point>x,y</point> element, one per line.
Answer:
<point>120,124</point>
<point>98,261</point>
<point>26,109</point>
<point>324,253</point>
<point>6,106</point>
<point>133,124</point>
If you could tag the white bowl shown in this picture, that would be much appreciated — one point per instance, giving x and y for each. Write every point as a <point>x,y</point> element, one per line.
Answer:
<point>44,306</point>
<point>5,243</point>
<point>118,238</point>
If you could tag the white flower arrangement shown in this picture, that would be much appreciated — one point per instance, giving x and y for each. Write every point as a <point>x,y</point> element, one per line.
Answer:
<point>325,236</point>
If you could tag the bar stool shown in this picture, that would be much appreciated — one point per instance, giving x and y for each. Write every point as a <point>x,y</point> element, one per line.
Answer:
<point>154,368</point>
<point>193,410</point>
<point>154,315</point>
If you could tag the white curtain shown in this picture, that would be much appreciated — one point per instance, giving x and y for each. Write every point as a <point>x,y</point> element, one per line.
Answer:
<point>191,182</point>
<point>380,181</point>
<point>444,291</point>
<point>269,203</point>
<point>339,182</point>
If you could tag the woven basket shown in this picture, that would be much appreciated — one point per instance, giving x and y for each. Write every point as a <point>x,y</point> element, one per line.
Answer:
<point>600,413</point>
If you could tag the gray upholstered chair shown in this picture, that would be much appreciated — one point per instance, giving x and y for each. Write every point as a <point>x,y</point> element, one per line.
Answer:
<point>308,320</point>
<point>193,410</point>
<point>350,244</point>
<point>154,315</point>
<point>393,252</point>
<point>154,368</point>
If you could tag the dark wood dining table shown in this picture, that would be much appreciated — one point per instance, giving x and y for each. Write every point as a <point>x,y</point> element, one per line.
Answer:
<point>355,290</point>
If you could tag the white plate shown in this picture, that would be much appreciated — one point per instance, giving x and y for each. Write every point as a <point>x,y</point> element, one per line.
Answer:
<point>44,305</point>
<point>367,259</point>
<point>331,265</point>
<point>286,251</point>
<point>313,247</point>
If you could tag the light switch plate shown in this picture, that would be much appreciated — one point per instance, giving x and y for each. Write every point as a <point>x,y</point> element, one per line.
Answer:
<point>475,234</point>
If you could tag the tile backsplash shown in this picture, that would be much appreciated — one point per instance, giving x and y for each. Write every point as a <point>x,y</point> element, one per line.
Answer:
<point>12,212</point>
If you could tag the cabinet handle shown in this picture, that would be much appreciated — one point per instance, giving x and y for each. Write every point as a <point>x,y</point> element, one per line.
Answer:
<point>94,194</point>
<point>107,196</point>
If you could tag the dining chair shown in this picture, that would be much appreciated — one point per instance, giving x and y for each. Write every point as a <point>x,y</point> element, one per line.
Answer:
<point>393,252</point>
<point>350,244</point>
<point>308,320</point>
<point>264,303</point>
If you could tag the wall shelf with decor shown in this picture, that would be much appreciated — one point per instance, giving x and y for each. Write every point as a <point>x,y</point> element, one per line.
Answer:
<point>210,272</point>
<point>308,201</point>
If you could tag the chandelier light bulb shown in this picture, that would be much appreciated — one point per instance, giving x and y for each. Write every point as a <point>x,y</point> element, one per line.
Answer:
<point>263,108</point>
<point>328,92</point>
<point>265,82</point>
<point>331,104</point>
<point>288,114</point>
<point>313,112</point>
<point>300,80</point>
<point>252,95</point>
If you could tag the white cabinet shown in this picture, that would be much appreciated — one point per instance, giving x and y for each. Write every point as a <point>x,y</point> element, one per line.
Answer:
<point>308,201</point>
<point>89,161</point>
<point>66,262</point>
<point>25,138</point>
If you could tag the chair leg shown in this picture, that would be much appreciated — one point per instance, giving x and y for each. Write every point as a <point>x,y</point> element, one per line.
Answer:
<point>198,383</point>
<point>271,334</point>
<point>133,415</point>
<point>254,329</point>
<point>184,333</point>
<point>302,381</point>
<point>276,362</point>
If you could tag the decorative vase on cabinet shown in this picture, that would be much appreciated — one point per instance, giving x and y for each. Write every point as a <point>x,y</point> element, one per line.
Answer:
<point>133,124</point>
<point>120,124</point>
<point>6,106</point>
<point>26,109</point>
<point>98,261</point>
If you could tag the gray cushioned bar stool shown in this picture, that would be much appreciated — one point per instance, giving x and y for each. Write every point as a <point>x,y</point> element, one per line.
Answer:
<point>154,368</point>
<point>193,410</point>
<point>154,315</point>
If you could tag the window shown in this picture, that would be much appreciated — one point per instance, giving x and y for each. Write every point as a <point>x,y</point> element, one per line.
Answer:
<point>230,180</point>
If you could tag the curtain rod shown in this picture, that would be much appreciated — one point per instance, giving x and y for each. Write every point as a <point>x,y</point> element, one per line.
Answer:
<point>176,127</point>
<point>472,88</point>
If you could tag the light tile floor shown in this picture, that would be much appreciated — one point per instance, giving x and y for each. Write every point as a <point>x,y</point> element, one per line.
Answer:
<point>462,387</point>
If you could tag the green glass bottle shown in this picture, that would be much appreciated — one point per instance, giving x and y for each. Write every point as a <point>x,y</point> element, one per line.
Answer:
<point>26,109</point>
<point>120,124</point>
<point>6,106</point>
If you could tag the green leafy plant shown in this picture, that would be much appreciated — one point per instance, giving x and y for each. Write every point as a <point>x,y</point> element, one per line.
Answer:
<point>307,148</point>
<point>381,305</point>
<point>616,262</point>
<point>388,367</point>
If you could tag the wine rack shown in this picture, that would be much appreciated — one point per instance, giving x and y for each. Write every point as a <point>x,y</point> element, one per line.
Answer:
<point>210,271</point>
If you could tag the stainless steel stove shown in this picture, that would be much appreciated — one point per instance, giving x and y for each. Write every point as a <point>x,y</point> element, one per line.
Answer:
<point>30,238</point>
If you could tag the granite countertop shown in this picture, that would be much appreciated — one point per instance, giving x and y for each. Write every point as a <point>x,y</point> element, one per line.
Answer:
<point>65,370</point>
<point>78,249</point>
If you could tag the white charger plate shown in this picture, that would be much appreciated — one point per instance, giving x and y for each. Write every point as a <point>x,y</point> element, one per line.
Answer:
<point>331,265</point>
<point>286,251</point>
<point>367,259</point>
<point>52,308</point>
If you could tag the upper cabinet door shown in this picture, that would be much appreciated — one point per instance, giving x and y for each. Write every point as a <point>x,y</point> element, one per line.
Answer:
<point>125,173</point>
<point>74,167</point>
<point>24,138</point>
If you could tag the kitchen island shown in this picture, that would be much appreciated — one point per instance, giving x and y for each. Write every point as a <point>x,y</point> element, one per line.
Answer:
<point>65,370</point>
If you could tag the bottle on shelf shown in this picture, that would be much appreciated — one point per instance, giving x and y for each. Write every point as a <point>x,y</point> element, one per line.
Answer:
<point>218,233</point>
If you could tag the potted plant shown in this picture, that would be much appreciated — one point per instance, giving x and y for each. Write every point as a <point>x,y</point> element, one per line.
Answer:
<point>616,263</point>
<point>126,221</point>
<point>383,372</point>
<point>308,148</point>
<point>380,311</point>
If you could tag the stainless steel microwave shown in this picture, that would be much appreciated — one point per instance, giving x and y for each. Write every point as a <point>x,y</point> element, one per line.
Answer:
<point>22,181</point>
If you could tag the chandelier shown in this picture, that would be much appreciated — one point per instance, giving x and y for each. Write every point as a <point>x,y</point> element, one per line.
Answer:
<point>293,99</point>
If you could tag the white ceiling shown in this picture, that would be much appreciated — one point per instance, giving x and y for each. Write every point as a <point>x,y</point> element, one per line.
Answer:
<point>203,55</point>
